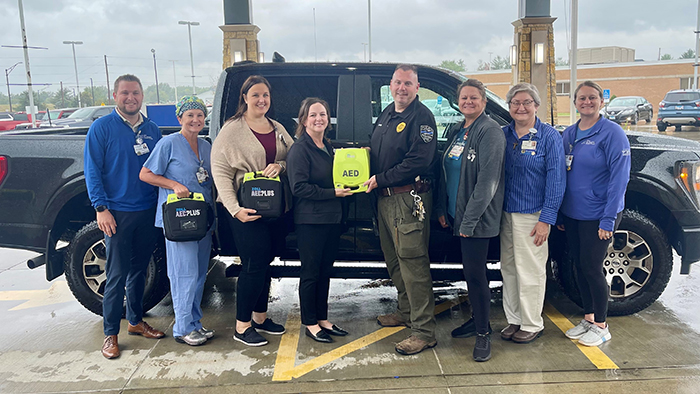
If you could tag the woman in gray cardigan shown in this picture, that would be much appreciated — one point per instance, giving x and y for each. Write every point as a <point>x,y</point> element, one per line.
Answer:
<point>471,201</point>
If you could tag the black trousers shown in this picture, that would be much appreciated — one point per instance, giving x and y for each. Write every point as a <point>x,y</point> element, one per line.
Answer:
<point>128,253</point>
<point>318,247</point>
<point>474,254</point>
<point>588,252</point>
<point>258,242</point>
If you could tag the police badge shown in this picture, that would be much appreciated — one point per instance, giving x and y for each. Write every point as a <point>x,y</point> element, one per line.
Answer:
<point>426,133</point>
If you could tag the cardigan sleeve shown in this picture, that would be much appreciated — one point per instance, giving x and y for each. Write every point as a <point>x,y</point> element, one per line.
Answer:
<point>223,170</point>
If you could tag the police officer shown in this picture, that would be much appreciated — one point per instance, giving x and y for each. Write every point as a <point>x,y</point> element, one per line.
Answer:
<point>116,147</point>
<point>403,150</point>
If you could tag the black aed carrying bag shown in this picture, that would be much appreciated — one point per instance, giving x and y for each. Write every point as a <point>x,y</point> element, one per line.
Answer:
<point>186,219</point>
<point>262,194</point>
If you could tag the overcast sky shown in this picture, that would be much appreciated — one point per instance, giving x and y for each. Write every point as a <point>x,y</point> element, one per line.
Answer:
<point>421,31</point>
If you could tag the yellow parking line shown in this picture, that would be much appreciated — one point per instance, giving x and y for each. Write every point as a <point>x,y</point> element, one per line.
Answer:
<point>286,354</point>
<point>594,354</point>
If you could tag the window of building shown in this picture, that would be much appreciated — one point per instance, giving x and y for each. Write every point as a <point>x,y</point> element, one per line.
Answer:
<point>563,88</point>
<point>686,83</point>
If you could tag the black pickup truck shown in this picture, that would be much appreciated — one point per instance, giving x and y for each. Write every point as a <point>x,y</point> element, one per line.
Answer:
<point>45,207</point>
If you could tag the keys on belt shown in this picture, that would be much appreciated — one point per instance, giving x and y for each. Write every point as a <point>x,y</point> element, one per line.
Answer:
<point>419,187</point>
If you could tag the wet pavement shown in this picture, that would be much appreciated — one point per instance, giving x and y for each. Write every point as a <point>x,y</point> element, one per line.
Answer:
<point>51,345</point>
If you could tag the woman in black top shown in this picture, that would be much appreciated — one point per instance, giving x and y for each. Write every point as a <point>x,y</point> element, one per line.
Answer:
<point>317,215</point>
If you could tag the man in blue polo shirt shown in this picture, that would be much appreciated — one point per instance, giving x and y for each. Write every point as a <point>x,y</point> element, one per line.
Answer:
<point>116,147</point>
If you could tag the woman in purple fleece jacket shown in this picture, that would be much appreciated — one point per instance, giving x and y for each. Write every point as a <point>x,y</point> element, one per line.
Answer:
<point>598,169</point>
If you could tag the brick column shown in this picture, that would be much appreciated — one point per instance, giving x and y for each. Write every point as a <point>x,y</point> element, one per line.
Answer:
<point>528,32</point>
<point>242,38</point>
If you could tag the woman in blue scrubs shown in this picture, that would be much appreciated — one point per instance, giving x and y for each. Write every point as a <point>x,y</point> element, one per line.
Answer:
<point>180,164</point>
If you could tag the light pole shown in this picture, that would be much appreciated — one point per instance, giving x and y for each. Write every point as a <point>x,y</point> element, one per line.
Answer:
<point>153,51</point>
<point>369,28</point>
<point>7,79</point>
<point>175,80</point>
<point>75,64</point>
<point>189,33</point>
<point>364,51</point>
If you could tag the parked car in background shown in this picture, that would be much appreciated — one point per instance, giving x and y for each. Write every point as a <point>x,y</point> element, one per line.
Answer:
<point>84,116</point>
<point>629,109</point>
<point>43,120</point>
<point>8,120</point>
<point>679,108</point>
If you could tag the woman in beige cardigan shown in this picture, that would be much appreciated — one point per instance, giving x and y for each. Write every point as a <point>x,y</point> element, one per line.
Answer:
<point>250,141</point>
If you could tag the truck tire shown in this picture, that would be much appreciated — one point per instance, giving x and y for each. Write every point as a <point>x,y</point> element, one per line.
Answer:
<point>661,126</point>
<point>85,270</point>
<point>637,267</point>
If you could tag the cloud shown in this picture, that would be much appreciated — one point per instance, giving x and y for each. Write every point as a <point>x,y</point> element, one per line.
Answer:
<point>419,31</point>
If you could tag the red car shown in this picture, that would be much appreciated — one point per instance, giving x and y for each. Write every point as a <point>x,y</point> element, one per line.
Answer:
<point>8,120</point>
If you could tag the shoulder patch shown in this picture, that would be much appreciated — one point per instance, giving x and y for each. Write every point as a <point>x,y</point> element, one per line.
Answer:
<point>426,133</point>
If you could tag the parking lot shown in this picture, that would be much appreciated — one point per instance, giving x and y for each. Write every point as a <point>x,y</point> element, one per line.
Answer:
<point>51,345</point>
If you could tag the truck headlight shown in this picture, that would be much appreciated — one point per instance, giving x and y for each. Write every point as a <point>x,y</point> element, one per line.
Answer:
<point>688,176</point>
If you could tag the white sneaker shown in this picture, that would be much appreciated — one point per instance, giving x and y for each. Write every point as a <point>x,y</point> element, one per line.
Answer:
<point>595,336</point>
<point>578,331</point>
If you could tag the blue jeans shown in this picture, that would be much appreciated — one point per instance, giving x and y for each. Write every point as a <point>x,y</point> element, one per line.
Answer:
<point>128,252</point>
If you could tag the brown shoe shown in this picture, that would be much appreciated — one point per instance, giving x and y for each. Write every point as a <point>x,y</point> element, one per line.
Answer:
<point>526,336</point>
<point>145,330</point>
<point>508,332</point>
<point>110,347</point>
<point>413,345</point>
<point>392,320</point>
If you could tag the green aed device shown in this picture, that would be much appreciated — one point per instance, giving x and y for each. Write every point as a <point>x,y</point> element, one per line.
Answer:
<point>351,169</point>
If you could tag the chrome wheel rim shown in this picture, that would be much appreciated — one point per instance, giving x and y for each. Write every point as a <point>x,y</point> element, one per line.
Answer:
<point>94,263</point>
<point>628,264</point>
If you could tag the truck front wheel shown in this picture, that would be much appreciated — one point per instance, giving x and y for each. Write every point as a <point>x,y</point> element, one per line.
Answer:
<point>85,270</point>
<point>637,266</point>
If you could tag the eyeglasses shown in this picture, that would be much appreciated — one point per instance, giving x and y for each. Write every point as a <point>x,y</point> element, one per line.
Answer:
<point>526,103</point>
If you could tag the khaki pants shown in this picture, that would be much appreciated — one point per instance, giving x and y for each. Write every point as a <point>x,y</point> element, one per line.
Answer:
<point>523,266</point>
<point>404,242</point>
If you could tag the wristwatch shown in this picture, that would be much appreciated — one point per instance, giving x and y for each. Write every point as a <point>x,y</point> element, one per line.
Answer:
<point>100,208</point>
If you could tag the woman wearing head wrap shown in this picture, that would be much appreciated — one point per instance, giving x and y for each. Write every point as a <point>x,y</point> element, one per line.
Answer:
<point>180,164</point>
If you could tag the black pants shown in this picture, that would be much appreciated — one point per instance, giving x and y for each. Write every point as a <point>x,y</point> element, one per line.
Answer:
<point>129,250</point>
<point>318,247</point>
<point>588,252</point>
<point>474,253</point>
<point>258,242</point>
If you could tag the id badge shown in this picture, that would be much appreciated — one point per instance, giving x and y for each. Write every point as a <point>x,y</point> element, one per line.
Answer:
<point>202,175</point>
<point>456,151</point>
<point>569,160</point>
<point>141,149</point>
<point>529,147</point>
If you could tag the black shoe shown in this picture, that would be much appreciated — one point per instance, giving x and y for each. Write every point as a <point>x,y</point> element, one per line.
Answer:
<point>268,327</point>
<point>482,347</point>
<point>320,336</point>
<point>335,330</point>
<point>250,337</point>
<point>467,329</point>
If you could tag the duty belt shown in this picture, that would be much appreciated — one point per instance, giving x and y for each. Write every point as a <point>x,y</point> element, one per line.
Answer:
<point>420,187</point>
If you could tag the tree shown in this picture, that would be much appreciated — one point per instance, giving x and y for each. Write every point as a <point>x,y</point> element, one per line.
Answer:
<point>454,65</point>
<point>689,54</point>
<point>666,56</point>
<point>498,63</point>
<point>561,62</point>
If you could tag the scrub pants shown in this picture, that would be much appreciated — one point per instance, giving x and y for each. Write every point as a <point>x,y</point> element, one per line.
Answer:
<point>187,271</point>
<point>128,252</point>
<point>404,241</point>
